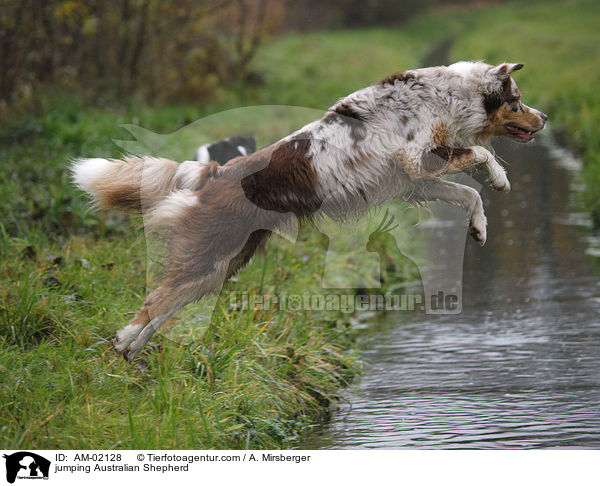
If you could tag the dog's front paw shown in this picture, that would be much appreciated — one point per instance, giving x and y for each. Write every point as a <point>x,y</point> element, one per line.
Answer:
<point>477,228</point>
<point>478,234</point>
<point>500,182</point>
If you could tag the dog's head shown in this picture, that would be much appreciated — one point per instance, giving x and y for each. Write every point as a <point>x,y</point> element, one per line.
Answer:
<point>507,116</point>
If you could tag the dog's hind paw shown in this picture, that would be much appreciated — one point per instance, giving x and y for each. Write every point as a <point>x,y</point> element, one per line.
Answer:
<point>125,336</point>
<point>127,355</point>
<point>118,345</point>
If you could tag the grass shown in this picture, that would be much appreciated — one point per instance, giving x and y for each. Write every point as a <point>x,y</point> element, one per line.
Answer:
<point>252,380</point>
<point>317,68</point>
<point>68,276</point>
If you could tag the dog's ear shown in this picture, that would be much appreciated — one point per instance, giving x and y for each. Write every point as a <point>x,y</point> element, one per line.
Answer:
<point>505,69</point>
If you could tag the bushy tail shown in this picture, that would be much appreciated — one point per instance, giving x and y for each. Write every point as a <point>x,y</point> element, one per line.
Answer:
<point>134,183</point>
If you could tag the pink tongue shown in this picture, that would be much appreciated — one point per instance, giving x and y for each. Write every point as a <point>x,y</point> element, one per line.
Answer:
<point>520,133</point>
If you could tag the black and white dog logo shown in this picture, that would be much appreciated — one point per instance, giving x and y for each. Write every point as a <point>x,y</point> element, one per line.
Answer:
<point>26,465</point>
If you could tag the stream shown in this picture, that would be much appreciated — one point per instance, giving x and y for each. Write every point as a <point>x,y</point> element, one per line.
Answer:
<point>519,367</point>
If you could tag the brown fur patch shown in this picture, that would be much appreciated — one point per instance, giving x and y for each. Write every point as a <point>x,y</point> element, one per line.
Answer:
<point>345,109</point>
<point>211,170</point>
<point>120,196</point>
<point>432,163</point>
<point>461,159</point>
<point>399,76</point>
<point>255,240</point>
<point>157,302</point>
<point>124,186</point>
<point>504,115</point>
<point>141,316</point>
<point>493,101</point>
<point>446,159</point>
<point>237,210</point>
<point>287,183</point>
<point>441,134</point>
<point>500,112</point>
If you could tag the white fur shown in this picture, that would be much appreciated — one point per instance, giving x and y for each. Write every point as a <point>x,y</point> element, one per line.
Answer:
<point>463,68</point>
<point>462,196</point>
<point>496,173</point>
<point>126,335</point>
<point>202,154</point>
<point>188,174</point>
<point>171,210</point>
<point>87,172</point>
<point>398,120</point>
<point>142,335</point>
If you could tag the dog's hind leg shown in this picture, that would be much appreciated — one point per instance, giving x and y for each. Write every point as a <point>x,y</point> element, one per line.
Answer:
<point>161,304</point>
<point>128,334</point>
<point>163,300</point>
<point>146,333</point>
<point>461,196</point>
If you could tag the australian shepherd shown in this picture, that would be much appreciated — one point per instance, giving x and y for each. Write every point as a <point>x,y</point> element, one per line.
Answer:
<point>391,140</point>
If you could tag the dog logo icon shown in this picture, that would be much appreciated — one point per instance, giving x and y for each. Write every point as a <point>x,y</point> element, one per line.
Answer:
<point>27,465</point>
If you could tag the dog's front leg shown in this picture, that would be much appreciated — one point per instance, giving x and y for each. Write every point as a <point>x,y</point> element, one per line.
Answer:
<point>475,157</point>
<point>496,173</point>
<point>462,196</point>
<point>442,160</point>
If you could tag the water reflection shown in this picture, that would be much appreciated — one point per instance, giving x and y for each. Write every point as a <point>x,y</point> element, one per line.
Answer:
<point>520,366</point>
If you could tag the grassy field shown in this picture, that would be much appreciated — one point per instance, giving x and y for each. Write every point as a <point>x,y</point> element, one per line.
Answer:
<point>68,275</point>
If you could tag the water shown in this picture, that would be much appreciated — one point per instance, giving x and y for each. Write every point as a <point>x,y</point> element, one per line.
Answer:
<point>520,366</point>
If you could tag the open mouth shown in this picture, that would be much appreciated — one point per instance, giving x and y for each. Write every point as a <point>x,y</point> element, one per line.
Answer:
<point>519,132</point>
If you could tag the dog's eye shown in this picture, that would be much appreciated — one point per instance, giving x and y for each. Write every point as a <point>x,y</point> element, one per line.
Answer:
<point>515,107</point>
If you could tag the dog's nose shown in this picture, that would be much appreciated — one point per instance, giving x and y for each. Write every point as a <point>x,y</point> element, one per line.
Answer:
<point>544,116</point>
